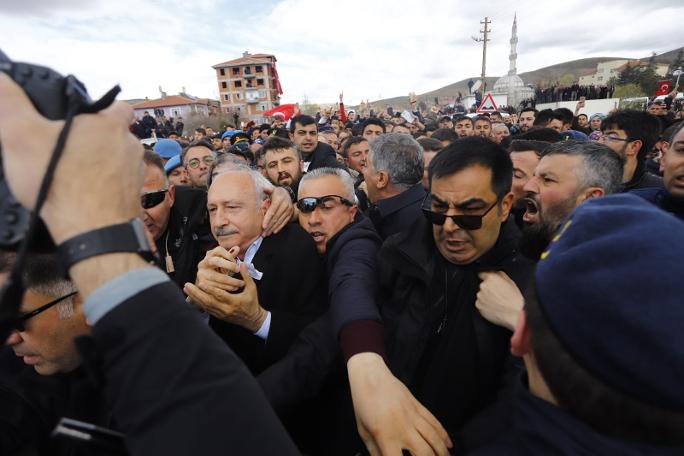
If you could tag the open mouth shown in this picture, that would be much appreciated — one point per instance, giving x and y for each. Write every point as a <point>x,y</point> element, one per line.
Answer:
<point>531,211</point>
<point>317,236</point>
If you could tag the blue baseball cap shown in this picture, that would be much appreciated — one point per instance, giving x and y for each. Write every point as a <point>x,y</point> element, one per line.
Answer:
<point>173,163</point>
<point>167,148</point>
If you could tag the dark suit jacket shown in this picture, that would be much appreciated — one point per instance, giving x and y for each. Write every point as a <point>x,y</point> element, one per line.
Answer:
<point>292,289</point>
<point>322,156</point>
<point>398,213</point>
<point>166,381</point>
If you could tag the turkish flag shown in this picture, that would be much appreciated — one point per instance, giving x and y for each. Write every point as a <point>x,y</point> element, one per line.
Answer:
<point>664,88</point>
<point>277,80</point>
<point>286,111</point>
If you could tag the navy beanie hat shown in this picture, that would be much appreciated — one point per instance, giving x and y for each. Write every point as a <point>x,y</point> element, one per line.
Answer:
<point>611,287</point>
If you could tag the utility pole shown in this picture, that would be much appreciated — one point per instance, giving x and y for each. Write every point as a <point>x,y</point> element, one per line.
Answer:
<point>483,40</point>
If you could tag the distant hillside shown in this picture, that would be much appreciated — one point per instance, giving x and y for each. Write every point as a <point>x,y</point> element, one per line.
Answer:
<point>541,77</point>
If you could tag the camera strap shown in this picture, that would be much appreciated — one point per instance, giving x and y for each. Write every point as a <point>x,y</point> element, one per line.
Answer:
<point>13,289</point>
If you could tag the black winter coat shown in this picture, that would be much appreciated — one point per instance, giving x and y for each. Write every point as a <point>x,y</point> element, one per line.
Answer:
<point>455,371</point>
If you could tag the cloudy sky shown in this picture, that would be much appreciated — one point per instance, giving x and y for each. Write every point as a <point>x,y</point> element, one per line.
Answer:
<point>368,49</point>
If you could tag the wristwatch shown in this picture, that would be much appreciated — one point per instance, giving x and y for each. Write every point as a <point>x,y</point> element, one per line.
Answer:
<point>124,237</point>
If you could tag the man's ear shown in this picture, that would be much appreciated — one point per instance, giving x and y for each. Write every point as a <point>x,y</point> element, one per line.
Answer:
<point>265,204</point>
<point>521,343</point>
<point>589,193</point>
<point>383,180</point>
<point>506,205</point>
<point>172,194</point>
<point>634,147</point>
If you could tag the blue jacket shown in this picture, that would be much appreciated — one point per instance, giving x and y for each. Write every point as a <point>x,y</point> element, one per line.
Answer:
<point>541,428</point>
<point>661,198</point>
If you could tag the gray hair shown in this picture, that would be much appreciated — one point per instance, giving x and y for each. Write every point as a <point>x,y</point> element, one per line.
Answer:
<point>343,175</point>
<point>600,166</point>
<point>261,184</point>
<point>400,156</point>
<point>43,275</point>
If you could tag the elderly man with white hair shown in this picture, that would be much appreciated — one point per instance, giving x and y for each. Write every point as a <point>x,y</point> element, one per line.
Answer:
<point>260,291</point>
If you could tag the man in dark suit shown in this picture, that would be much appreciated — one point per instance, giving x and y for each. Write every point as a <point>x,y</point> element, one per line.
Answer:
<point>393,177</point>
<point>260,291</point>
<point>304,133</point>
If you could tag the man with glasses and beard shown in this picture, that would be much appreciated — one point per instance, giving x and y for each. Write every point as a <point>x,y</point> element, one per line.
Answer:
<point>568,174</point>
<point>452,359</point>
<point>197,159</point>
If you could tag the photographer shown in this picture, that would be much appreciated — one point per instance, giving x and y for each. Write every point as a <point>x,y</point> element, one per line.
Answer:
<point>173,386</point>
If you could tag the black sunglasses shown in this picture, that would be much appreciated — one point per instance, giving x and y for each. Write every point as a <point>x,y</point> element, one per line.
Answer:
<point>19,323</point>
<point>466,222</point>
<point>308,205</point>
<point>151,199</point>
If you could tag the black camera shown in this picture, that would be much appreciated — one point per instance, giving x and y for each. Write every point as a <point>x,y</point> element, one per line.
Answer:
<point>54,96</point>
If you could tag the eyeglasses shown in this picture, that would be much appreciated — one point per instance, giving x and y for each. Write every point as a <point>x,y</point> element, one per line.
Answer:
<point>611,138</point>
<point>152,199</point>
<point>19,323</point>
<point>195,162</point>
<point>466,222</point>
<point>308,205</point>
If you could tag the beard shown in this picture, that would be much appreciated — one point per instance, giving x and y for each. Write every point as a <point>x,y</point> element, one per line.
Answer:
<point>535,238</point>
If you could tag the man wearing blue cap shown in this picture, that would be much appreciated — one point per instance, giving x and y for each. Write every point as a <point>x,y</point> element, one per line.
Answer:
<point>601,338</point>
<point>176,172</point>
<point>167,148</point>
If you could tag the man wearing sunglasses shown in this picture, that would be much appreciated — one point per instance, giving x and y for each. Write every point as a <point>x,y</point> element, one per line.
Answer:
<point>49,320</point>
<point>197,159</point>
<point>450,357</point>
<point>176,218</point>
<point>349,244</point>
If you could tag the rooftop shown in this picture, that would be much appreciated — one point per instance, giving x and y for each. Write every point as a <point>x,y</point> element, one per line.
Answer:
<point>172,100</point>
<point>248,59</point>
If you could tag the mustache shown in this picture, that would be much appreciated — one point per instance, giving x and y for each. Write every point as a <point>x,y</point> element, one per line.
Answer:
<point>284,175</point>
<point>226,231</point>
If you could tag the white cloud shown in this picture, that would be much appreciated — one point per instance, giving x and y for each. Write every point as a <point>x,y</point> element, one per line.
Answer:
<point>367,49</point>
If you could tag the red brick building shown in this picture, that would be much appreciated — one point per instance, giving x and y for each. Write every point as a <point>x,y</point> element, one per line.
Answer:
<point>249,84</point>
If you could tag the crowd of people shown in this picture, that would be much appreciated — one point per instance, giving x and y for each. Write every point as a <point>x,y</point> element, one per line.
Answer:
<point>343,283</point>
<point>573,93</point>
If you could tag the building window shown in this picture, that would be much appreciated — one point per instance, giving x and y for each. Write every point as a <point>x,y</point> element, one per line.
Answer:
<point>260,82</point>
<point>262,94</point>
<point>238,84</point>
<point>222,71</point>
<point>262,107</point>
<point>249,83</point>
<point>259,69</point>
<point>225,97</point>
<point>248,70</point>
<point>236,70</point>
<point>600,78</point>
<point>237,95</point>
<point>224,85</point>
<point>228,110</point>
